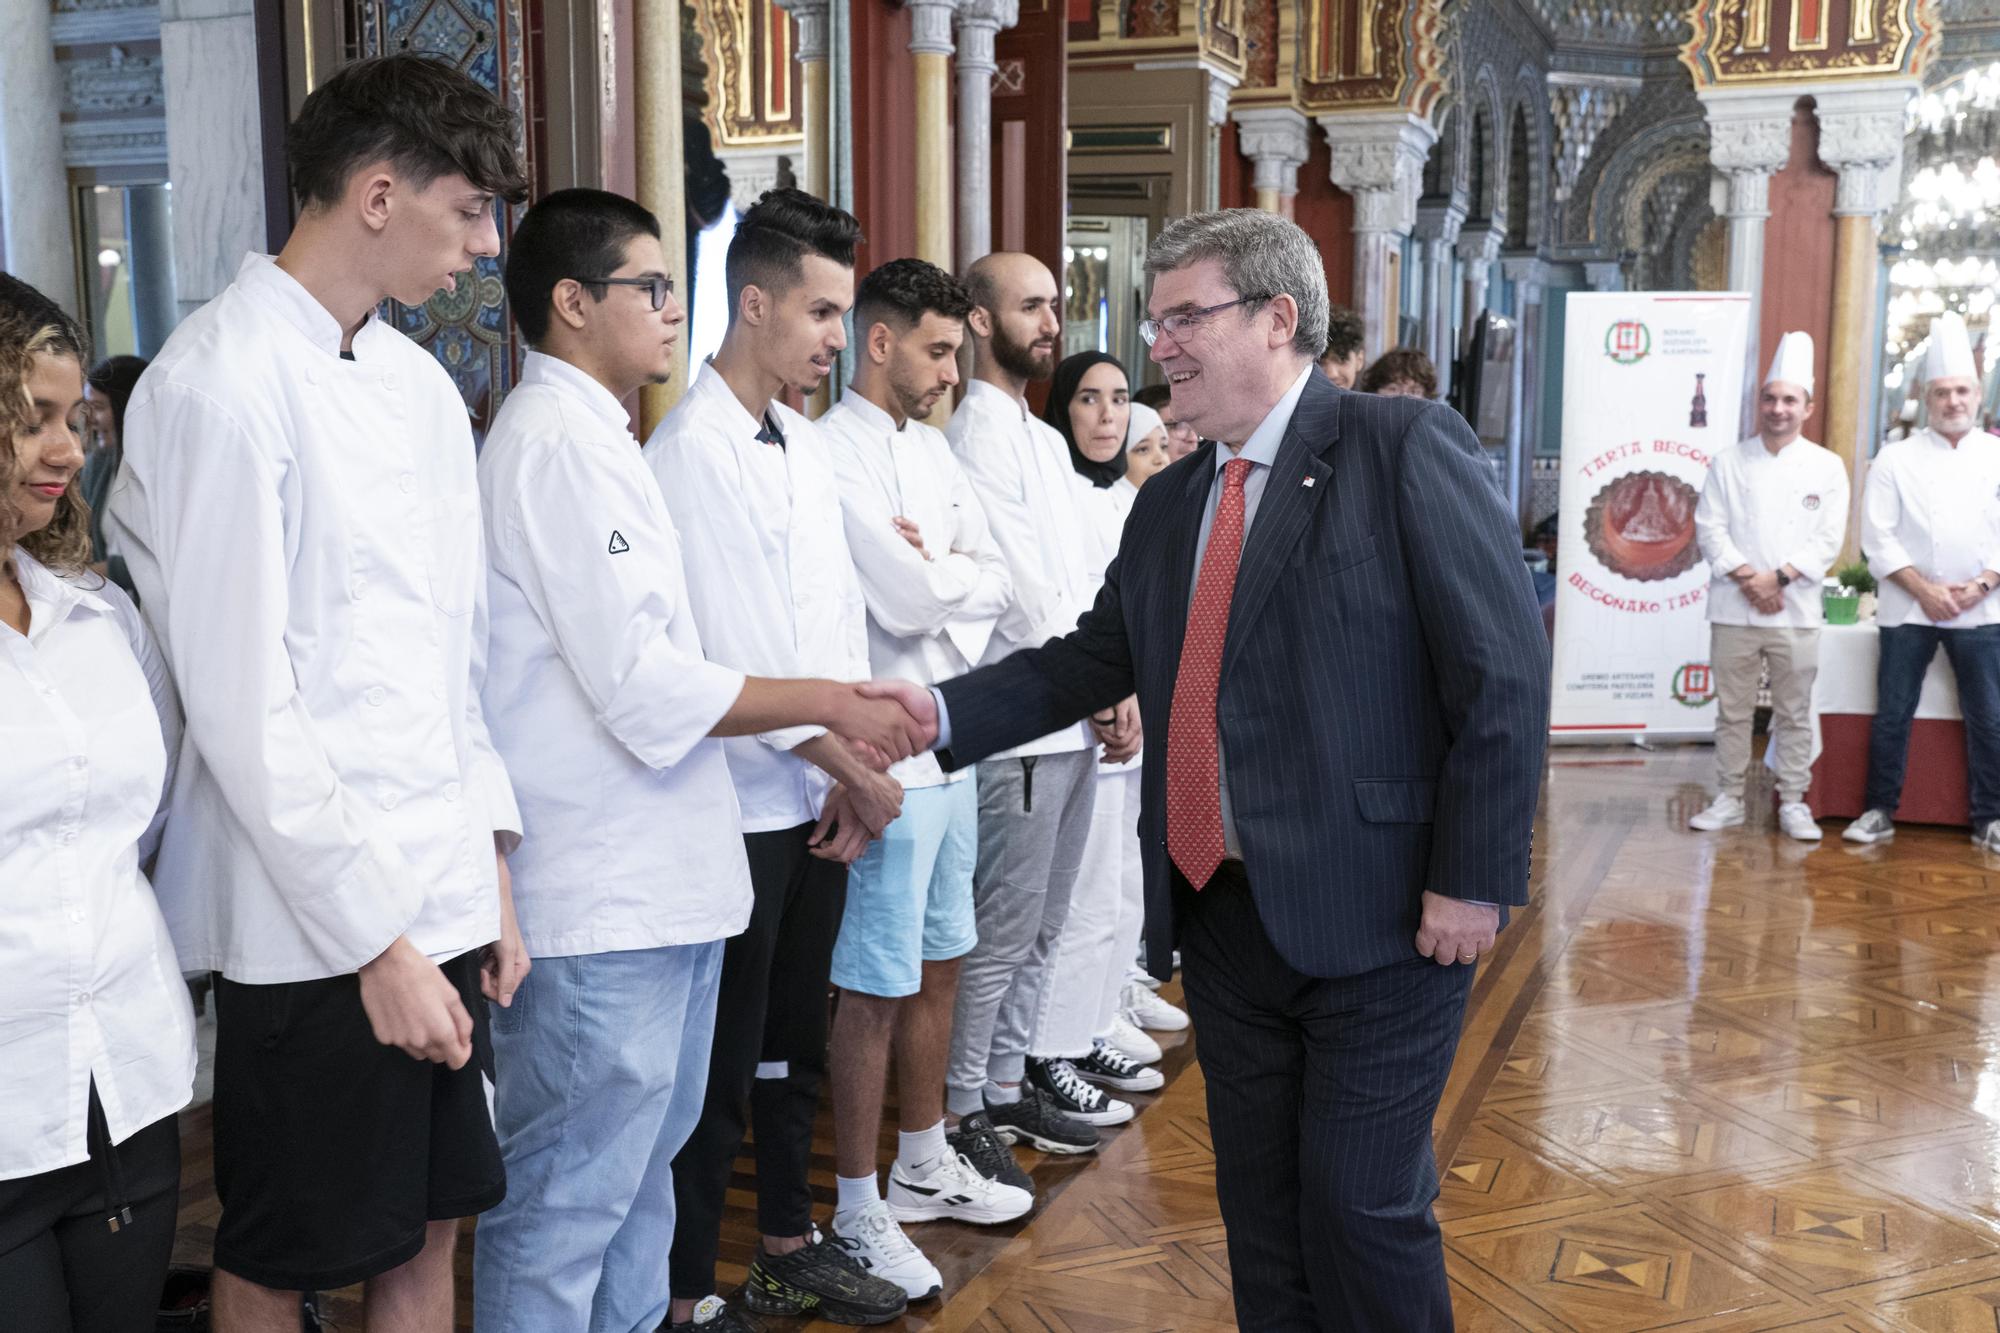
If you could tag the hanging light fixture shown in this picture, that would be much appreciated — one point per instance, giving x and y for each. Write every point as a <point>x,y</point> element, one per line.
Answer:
<point>1947,224</point>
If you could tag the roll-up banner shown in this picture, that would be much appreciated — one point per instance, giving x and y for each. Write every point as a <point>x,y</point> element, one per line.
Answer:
<point>1652,390</point>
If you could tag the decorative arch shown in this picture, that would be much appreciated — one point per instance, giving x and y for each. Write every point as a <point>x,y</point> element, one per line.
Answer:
<point>1595,219</point>
<point>1661,214</point>
<point>1520,181</point>
<point>1444,167</point>
<point>1531,101</point>
<point>1485,173</point>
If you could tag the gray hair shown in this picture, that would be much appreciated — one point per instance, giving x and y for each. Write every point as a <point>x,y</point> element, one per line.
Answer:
<point>1259,252</point>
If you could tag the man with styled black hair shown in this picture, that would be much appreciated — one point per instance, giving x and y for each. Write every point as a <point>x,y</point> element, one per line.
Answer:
<point>771,584</point>
<point>299,509</point>
<point>934,582</point>
<point>595,682</point>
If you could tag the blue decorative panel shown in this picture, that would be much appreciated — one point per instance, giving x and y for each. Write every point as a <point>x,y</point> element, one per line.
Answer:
<point>467,330</point>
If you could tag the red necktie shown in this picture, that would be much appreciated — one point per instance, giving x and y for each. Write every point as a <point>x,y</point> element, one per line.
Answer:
<point>1194,775</point>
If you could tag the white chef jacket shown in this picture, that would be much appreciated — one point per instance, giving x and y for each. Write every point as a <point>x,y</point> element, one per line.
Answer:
<point>1767,511</point>
<point>1107,507</point>
<point>89,987</point>
<point>1020,470</point>
<point>768,572</point>
<point>304,534</point>
<point>928,620</point>
<point>1937,508</point>
<point>596,691</point>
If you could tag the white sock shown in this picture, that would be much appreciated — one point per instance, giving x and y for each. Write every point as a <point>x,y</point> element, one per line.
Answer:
<point>856,1193</point>
<point>1002,1096</point>
<point>921,1148</point>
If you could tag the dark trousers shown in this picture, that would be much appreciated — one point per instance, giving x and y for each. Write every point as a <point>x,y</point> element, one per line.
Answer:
<point>63,1269</point>
<point>1899,678</point>
<point>1321,1094</point>
<point>768,1058</point>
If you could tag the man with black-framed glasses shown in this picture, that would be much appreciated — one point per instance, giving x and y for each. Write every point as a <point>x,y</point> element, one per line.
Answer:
<point>633,871</point>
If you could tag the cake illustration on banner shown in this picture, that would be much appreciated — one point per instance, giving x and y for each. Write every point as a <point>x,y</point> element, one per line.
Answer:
<point>1641,525</point>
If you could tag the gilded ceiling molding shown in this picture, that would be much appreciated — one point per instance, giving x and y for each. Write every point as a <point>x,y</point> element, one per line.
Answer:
<point>754,91</point>
<point>1735,42</point>
<point>1373,54</point>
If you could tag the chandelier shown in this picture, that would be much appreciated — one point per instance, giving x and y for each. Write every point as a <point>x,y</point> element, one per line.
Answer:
<point>1947,223</point>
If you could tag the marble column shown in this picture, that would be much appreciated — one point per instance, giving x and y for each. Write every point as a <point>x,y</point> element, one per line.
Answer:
<point>1604,275</point>
<point>215,144</point>
<point>1220,85</point>
<point>1437,232</point>
<point>1749,138</point>
<point>931,47</point>
<point>1861,138</point>
<point>978,23</point>
<point>810,16</point>
<point>1478,248</point>
<point>150,230</point>
<point>1529,274</point>
<point>1277,140</point>
<point>1378,158</point>
<point>656,109</point>
<point>35,241</point>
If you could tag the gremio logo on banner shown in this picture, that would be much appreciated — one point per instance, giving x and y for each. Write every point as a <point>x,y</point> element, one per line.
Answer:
<point>1627,342</point>
<point>1694,685</point>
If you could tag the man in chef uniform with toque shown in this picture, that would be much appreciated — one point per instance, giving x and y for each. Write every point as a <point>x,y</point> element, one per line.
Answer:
<point>1771,520</point>
<point>1930,526</point>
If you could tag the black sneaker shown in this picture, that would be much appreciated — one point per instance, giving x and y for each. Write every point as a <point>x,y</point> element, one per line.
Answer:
<point>989,1155</point>
<point>1075,1096</point>
<point>823,1280</point>
<point>1038,1122</point>
<point>713,1316</point>
<point>1113,1068</point>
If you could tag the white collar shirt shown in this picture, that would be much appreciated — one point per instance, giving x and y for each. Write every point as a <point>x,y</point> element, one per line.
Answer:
<point>769,576</point>
<point>1020,470</point>
<point>1767,511</point>
<point>304,534</point>
<point>1934,508</point>
<point>1107,507</point>
<point>89,987</point>
<point>930,613</point>
<point>596,690</point>
<point>1261,451</point>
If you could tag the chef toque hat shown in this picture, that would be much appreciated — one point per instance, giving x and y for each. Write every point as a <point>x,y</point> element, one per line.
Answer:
<point>1794,362</point>
<point>1950,353</point>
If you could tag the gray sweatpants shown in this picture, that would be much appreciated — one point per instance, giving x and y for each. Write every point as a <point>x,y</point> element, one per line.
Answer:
<point>1034,817</point>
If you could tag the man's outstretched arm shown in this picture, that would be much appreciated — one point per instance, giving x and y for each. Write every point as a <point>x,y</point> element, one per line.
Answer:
<point>1033,692</point>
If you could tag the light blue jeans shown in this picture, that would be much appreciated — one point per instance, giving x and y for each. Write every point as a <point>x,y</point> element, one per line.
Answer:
<point>602,1064</point>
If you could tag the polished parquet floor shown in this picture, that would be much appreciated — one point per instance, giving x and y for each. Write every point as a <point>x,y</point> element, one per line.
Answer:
<point>1707,1082</point>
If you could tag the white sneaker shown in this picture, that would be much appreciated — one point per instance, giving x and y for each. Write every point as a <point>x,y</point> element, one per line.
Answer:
<point>876,1243</point>
<point>1796,819</point>
<point>952,1187</point>
<point>1875,826</point>
<point>1147,1010</point>
<point>1725,811</point>
<point>1134,1045</point>
<point>1988,840</point>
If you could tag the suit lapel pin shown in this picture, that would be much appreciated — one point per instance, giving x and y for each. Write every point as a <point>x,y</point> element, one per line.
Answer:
<point>1307,482</point>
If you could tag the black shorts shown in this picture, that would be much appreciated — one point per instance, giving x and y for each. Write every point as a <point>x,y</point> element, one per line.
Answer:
<point>333,1151</point>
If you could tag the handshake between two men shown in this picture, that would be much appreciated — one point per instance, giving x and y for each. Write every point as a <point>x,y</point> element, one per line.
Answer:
<point>875,724</point>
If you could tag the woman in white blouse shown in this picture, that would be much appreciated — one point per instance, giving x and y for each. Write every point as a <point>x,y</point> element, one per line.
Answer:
<point>95,1023</point>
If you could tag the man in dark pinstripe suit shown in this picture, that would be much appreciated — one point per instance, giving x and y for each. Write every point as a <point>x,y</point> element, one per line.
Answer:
<point>1327,617</point>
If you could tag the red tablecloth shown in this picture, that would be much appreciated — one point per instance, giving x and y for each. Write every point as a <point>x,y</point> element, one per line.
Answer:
<point>1933,787</point>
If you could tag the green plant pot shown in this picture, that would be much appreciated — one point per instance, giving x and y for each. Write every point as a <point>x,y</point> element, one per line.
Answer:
<point>1842,608</point>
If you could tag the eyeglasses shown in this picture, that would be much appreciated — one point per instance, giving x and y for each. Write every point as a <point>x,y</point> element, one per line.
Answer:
<point>659,289</point>
<point>1181,325</point>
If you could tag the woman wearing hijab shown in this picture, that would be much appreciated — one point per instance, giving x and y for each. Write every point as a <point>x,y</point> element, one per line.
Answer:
<point>1081,1034</point>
